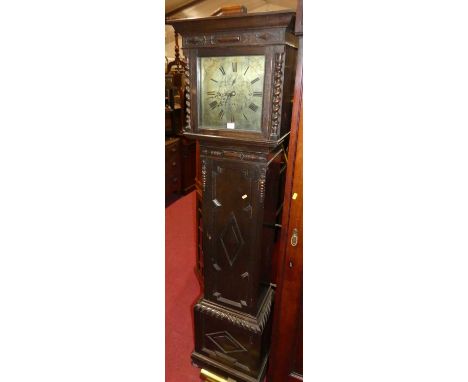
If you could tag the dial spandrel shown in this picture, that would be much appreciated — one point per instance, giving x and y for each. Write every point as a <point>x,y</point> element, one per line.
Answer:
<point>231,92</point>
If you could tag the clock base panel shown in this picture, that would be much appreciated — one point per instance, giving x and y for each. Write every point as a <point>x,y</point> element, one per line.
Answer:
<point>233,343</point>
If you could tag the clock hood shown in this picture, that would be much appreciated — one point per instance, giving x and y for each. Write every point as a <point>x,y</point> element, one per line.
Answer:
<point>243,21</point>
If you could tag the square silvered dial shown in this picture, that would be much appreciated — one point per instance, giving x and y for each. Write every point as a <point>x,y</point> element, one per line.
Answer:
<point>231,92</point>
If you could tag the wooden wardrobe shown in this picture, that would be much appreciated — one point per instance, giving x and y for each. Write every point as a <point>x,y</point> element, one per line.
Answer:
<point>285,362</point>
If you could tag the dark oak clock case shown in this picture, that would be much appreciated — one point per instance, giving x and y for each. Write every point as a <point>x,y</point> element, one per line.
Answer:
<point>242,182</point>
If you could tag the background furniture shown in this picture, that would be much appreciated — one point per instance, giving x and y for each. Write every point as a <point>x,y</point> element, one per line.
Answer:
<point>173,166</point>
<point>286,349</point>
<point>175,119</point>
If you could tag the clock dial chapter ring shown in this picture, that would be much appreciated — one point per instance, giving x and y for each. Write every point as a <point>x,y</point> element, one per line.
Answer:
<point>232,89</point>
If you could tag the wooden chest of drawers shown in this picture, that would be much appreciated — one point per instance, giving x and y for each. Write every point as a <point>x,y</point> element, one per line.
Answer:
<point>173,167</point>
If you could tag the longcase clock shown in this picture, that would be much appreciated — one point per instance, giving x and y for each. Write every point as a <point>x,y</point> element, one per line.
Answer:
<point>240,79</point>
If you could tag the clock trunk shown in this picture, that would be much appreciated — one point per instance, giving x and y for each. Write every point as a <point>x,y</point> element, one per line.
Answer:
<point>242,197</point>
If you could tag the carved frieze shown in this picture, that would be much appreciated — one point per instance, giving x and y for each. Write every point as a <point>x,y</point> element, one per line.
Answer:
<point>264,37</point>
<point>247,156</point>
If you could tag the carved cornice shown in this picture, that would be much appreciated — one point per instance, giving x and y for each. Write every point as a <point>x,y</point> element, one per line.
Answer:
<point>277,86</point>
<point>252,324</point>
<point>241,23</point>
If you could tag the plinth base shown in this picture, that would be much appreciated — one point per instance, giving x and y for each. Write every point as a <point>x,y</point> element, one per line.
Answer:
<point>230,343</point>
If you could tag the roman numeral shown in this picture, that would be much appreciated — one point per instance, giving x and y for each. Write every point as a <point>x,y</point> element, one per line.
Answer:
<point>245,116</point>
<point>257,94</point>
<point>221,113</point>
<point>234,67</point>
<point>213,105</point>
<point>232,118</point>
<point>211,93</point>
<point>253,107</point>
<point>222,70</point>
<point>213,80</point>
<point>255,80</point>
<point>246,70</point>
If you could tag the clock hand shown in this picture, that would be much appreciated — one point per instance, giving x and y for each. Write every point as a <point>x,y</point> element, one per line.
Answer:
<point>229,95</point>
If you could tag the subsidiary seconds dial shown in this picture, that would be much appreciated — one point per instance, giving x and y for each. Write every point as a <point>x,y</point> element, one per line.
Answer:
<point>231,92</point>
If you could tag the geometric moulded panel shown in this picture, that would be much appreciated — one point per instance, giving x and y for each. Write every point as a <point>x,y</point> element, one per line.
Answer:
<point>225,342</point>
<point>231,239</point>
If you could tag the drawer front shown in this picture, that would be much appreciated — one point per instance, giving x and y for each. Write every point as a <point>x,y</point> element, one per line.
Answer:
<point>172,148</point>
<point>173,168</point>
<point>173,183</point>
<point>172,162</point>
